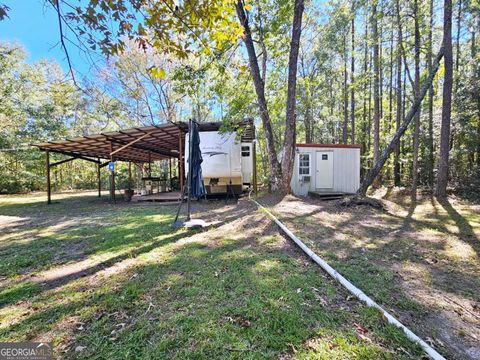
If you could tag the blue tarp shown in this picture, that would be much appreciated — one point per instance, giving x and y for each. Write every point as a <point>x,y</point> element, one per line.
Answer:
<point>198,187</point>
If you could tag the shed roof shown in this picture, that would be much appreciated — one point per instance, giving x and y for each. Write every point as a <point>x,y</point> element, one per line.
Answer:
<point>345,146</point>
<point>137,144</point>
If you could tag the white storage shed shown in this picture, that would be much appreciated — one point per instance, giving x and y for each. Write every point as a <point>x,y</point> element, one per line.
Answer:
<point>326,168</point>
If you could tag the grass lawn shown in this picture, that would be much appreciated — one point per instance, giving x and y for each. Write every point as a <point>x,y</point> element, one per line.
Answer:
<point>104,281</point>
<point>420,261</point>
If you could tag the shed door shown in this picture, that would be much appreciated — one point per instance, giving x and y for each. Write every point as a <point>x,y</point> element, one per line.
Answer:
<point>324,174</point>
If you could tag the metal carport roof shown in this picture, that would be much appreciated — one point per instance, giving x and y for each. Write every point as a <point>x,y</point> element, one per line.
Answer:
<point>138,144</point>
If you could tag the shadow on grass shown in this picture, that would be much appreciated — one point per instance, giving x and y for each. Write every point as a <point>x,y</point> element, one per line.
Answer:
<point>465,230</point>
<point>367,247</point>
<point>216,301</point>
<point>135,229</point>
<point>81,239</point>
<point>27,288</point>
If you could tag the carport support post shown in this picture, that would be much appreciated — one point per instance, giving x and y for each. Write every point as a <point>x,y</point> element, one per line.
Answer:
<point>112,177</point>
<point>49,189</point>
<point>189,176</point>
<point>129,175</point>
<point>180,162</point>
<point>98,179</point>
<point>254,153</point>
<point>170,173</point>
<point>150,165</point>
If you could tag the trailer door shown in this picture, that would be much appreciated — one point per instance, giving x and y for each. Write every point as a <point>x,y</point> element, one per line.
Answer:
<point>247,163</point>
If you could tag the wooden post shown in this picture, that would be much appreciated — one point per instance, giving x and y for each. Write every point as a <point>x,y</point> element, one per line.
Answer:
<point>254,154</point>
<point>99,179</point>
<point>181,175</point>
<point>129,175</point>
<point>49,189</point>
<point>112,177</point>
<point>170,173</point>
<point>189,176</point>
<point>149,164</point>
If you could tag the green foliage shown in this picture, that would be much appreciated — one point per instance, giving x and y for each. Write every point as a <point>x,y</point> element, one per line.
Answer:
<point>177,28</point>
<point>169,61</point>
<point>37,103</point>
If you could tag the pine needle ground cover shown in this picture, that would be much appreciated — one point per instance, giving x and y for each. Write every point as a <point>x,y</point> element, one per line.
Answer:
<point>104,281</point>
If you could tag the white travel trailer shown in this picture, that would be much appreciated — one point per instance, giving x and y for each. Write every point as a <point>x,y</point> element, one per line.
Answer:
<point>322,168</point>
<point>228,162</point>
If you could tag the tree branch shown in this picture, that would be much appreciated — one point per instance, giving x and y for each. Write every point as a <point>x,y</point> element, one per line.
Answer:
<point>56,6</point>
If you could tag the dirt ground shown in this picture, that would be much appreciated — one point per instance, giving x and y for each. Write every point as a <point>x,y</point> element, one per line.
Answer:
<point>421,261</point>
<point>64,266</point>
<point>108,281</point>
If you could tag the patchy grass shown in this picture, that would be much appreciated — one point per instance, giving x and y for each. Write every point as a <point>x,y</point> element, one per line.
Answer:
<point>419,261</point>
<point>104,281</point>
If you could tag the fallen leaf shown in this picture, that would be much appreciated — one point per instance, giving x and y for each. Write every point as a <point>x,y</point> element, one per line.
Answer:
<point>312,343</point>
<point>361,329</point>
<point>366,338</point>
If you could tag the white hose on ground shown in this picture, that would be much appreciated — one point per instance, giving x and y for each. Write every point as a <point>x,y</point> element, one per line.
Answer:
<point>353,289</point>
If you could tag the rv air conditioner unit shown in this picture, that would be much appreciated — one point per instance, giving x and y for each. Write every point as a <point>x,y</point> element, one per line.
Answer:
<point>306,179</point>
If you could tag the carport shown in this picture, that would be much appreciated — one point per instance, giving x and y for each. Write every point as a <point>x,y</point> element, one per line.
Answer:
<point>138,145</point>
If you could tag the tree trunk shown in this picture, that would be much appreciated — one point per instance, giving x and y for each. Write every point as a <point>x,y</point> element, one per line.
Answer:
<point>366,77</point>
<point>476,74</point>
<point>332,110</point>
<point>308,124</point>
<point>399,108</point>
<point>431,158</point>
<point>375,170</point>
<point>457,75</point>
<point>416,132</point>
<point>376,85</point>
<point>352,81</point>
<point>307,107</point>
<point>369,122</point>
<point>260,17</point>
<point>345,92</point>
<point>308,116</point>
<point>273,164</point>
<point>442,178</point>
<point>290,124</point>
<point>380,62</point>
<point>390,84</point>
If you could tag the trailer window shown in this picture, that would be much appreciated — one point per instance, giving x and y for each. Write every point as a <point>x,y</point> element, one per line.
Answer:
<point>303,164</point>
<point>245,151</point>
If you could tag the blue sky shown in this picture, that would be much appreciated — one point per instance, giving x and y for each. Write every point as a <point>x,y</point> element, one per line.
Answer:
<point>34,24</point>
